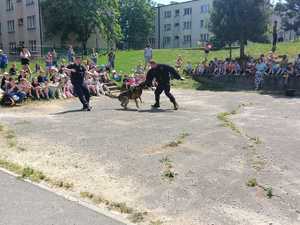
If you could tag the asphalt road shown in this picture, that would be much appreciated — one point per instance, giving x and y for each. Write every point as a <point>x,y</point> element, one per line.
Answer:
<point>22,203</point>
<point>120,154</point>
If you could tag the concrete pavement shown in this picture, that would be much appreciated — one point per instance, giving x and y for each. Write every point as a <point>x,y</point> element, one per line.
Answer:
<point>22,203</point>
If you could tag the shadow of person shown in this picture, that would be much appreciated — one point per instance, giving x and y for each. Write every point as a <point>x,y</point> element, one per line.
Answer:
<point>67,112</point>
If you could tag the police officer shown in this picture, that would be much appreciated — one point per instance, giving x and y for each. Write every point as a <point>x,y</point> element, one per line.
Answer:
<point>78,71</point>
<point>162,75</point>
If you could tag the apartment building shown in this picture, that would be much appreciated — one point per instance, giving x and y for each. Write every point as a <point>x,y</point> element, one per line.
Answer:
<point>20,26</point>
<point>182,25</point>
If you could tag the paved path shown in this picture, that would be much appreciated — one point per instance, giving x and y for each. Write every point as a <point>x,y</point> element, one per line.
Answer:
<point>119,154</point>
<point>22,203</point>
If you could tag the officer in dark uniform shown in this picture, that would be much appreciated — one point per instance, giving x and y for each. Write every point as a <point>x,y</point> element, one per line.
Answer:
<point>162,75</point>
<point>78,71</point>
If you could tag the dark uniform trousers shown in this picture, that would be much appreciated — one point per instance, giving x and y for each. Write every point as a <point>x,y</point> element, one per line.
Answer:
<point>83,94</point>
<point>164,88</point>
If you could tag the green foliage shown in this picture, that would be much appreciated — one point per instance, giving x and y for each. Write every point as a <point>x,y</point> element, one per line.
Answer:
<point>136,22</point>
<point>240,21</point>
<point>81,18</point>
<point>289,10</point>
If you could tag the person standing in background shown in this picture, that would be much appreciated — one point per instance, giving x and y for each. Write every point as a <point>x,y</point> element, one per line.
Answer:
<point>3,61</point>
<point>148,55</point>
<point>275,36</point>
<point>111,59</point>
<point>25,56</point>
<point>94,56</point>
<point>70,54</point>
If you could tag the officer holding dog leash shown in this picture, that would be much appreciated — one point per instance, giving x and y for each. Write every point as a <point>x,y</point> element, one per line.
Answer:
<point>78,71</point>
<point>162,75</point>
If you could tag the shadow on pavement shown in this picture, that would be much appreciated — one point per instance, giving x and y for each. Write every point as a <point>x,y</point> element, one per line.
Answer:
<point>147,110</point>
<point>67,112</point>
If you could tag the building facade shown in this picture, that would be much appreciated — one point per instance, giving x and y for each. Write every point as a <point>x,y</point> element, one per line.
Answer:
<point>21,26</point>
<point>182,25</point>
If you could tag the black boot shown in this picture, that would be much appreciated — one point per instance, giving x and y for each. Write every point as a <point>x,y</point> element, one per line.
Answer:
<point>176,106</point>
<point>156,105</point>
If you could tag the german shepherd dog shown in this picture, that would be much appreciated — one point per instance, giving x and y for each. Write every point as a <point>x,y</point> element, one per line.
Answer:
<point>133,93</point>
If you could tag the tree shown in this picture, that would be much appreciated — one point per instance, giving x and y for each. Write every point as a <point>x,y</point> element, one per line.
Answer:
<point>290,12</point>
<point>136,22</point>
<point>223,23</point>
<point>240,21</point>
<point>80,18</point>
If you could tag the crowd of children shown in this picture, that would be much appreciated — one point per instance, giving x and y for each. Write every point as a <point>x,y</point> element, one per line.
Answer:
<point>52,82</point>
<point>270,65</point>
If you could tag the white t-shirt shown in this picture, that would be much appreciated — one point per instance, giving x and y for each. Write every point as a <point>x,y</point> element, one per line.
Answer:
<point>148,52</point>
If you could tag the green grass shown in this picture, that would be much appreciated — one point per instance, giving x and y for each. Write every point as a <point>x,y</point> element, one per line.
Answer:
<point>126,61</point>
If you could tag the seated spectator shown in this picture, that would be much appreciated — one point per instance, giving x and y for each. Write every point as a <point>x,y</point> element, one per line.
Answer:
<point>68,88</point>
<point>139,69</point>
<point>25,87</point>
<point>13,70</point>
<point>297,66</point>
<point>37,89</point>
<point>14,93</point>
<point>116,76</point>
<point>43,81</point>
<point>188,68</point>
<point>179,63</point>
<point>261,68</point>
<point>22,75</point>
<point>4,81</point>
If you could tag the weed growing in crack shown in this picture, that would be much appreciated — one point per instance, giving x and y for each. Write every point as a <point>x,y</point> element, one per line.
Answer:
<point>252,182</point>
<point>269,192</point>
<point>223,117</point>
<point>178,141</point>
<point>256,140</point>
<point>137,217</point>
<point>168,172</point>
<point>157,222</point>
<point>33,175</point>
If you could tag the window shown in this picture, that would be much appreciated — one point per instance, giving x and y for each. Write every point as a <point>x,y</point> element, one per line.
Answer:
<point>167,27</point>
<point>187,25</point>
<point>187,11</point>
<point>187,38</point>
<point>168,14</point>
<point>176,25</point>
<point>32,45</point>
<point>9,5</point>
<point>11,26</point>
<point>204,37</point>
<point>204,9</point>
<point>21,44</point>
<point>201,23</point>
<point>177,12</point>
<point>12,47</point>
<point>29,2</point>
<point>1,45</point>
<point>31,22</point>
<point>166,41</point>
<point>20,22</point>
<point>152,41</point>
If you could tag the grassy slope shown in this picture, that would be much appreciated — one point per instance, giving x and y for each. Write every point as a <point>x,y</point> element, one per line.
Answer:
<point>126,61</point>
